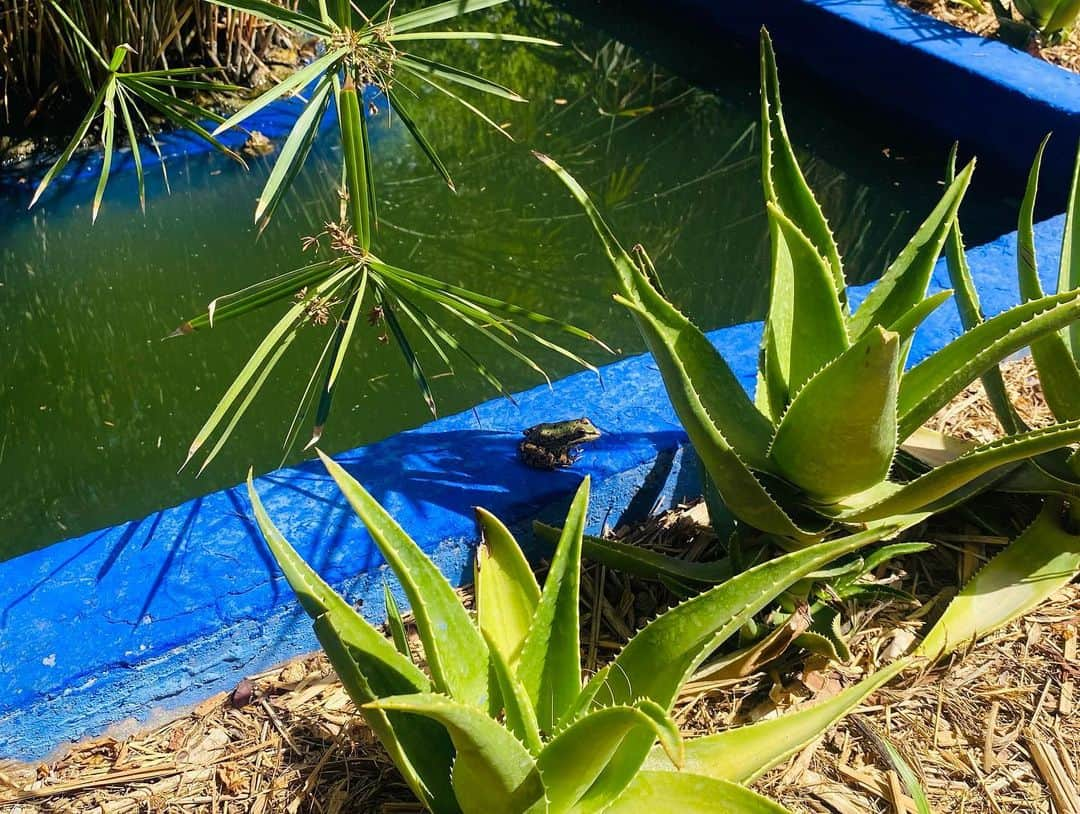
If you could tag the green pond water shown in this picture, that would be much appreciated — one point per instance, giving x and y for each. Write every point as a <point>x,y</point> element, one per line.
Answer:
<point>96,411</point>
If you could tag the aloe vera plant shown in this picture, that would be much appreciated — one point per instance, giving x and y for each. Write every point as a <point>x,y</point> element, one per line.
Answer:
<point>1053,20</point>
<point>502,722</point>
<point>836,411</point>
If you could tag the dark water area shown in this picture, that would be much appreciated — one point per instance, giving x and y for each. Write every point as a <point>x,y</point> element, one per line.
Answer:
<point>96,411</point>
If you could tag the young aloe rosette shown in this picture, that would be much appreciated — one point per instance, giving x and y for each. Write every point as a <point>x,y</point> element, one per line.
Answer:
<point>832,439</point>
<point>1053,20</point>
<point>501,721</point>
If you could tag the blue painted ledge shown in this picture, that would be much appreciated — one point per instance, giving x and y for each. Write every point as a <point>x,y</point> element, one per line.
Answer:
<point>159,613</point>
<point>999,102</point>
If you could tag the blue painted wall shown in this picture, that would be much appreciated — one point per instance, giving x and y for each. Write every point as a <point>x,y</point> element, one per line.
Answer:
<point>161,612</point>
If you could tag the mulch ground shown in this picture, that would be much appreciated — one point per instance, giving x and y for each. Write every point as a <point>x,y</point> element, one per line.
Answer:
<point>984,23</point>
<point>993,731</point>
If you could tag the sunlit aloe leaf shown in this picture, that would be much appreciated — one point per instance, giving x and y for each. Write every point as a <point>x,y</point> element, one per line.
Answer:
<point>830,453</point>
<point>939,483</point>
<point>76,140</point>
<point>518,712</point>
<point>438,13</point>
<point>426,67</point>
<point>641,562</point>
<point>493,771</point>
<point>929,386</point>
<point>905,282</point>
<point>670,793</point>
<point>456,652</point>
<point>806,323</point>
<point>1042,560</point>
<point>293,152</point>
<point>1069,268</point>
<point>662,656</point>
<point>1058,372</point>
<point>507,593</point>
<point>294,82</point>
<point>266,10</point>
<point>782,178</point>
<point>549,662</point>
<point>742,754</point>
<point>396,623</point>
<point>574,758</point>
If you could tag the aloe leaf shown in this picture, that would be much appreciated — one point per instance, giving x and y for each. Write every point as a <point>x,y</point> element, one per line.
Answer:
<point>838,437</point>
<point>76,140</point>
<point>419,137</point>
<point>396,623</point>
<point>518,711</point>
<point>910,322</point>
<point>806,323</point>
<point>939,483</point>
<point>507,593</point>
<point>266,10</point>
<point>549,663</point>
<point>456,652</point>
<point>744,753</point>
<point>640,562</point>
<point>421,66</point>
<point>782,178</point>
<point>493,771</point>
<point>1058,372</point>
<point>133,142</point>
<point>438,13</point>
<point>665,653</point>
<point>574,758</point>
<point>296,81</point>
<point>669,793</point>
<point>929,386</point>
<point>293,153</point>
<point>1069,268</point>
<point>1043,559</point>
<point>905,282</point>
<point>907,777</point>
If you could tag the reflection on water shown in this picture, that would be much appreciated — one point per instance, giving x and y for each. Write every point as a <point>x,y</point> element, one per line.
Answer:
<point>97,411</point>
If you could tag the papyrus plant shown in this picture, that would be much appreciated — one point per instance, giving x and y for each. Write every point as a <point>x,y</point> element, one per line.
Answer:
<point>817,450</point>
<point>501,721</point>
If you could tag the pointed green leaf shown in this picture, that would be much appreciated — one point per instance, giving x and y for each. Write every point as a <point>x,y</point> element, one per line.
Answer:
<point>438,13</point>
<point>744,753</point>
<point>549,664</point>
<point>266,10</point>
<point>108,135</point>
<point>419,137</point>
<point>493,771</point>
<point>665,653</point>
<point>354,148</point>
<point>1042,560</point>
<point>838,437</point>
<point>293,153</point>
<point>133,142</point>
<point>507,593</point>
<point>806,323</point>
<point>905,282</point>
<point>518,711</point>
<point>1069,269</point>
<point>73,145</point>
<point>669,793</point>
<point>1058,371</point>
<point>926,491</point>
<point>782,178</point>
<point>456,653</point>
<point>572,761</point>
<point>929,386</point>
<point>449,73</point>
<point>396,623</point>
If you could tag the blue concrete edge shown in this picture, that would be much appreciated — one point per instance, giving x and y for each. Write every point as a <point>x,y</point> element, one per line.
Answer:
<point>158,613</point>
<point>998,101</point>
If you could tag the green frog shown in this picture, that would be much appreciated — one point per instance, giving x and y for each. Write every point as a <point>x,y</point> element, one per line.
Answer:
<point>555,444</point>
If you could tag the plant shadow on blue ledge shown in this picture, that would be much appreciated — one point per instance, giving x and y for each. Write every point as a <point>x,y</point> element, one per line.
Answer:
<point>833,444</point>
<point>501,721</point>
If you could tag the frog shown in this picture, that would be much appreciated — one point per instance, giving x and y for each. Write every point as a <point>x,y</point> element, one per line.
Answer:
<point>555,444</point>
